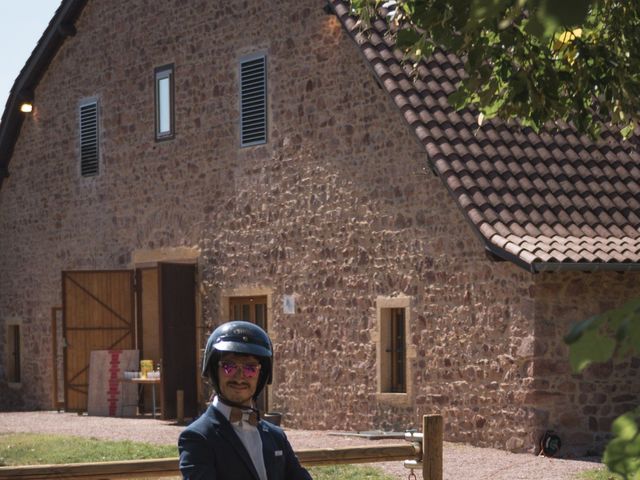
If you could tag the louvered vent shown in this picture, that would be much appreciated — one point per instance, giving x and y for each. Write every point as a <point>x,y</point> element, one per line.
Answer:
<point>253,101</point>
<point>89,139</point>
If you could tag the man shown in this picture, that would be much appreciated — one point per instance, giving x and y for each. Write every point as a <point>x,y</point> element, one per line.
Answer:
<point>229,441</point>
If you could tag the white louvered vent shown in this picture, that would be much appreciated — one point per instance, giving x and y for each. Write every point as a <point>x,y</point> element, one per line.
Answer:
<point>253,101</point>
<point>89,154</point>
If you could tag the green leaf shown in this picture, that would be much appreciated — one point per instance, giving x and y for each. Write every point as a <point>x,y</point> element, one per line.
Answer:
<point>475,57</point>
<point>459,99</point>
<point>534,27</point>
<point>622,454</point>
<point>625,427</point>
<point>627,131</point>
<point>590,347</point>
<point>631,343</point>
<point>579,328</point>
<point>487,9</point>
<point>407,37</point>
<point>567,13</point>
<point>490,110</point>
<point>621,314</point>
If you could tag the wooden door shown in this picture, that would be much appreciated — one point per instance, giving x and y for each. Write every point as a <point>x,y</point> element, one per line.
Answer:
<point>177,313</point>
<point>98,314</point>
<point>249,309</point>
<point>57,351</point>
<point>148,321</point>
<point>254,310</point>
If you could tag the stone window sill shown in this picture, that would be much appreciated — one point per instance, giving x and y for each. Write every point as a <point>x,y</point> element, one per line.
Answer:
<point>394,399</point>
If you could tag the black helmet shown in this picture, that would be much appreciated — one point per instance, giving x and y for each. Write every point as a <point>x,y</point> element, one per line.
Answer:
<point>238,337</point>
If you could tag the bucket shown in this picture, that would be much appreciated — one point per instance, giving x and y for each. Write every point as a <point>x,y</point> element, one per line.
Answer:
<point>145,366</point>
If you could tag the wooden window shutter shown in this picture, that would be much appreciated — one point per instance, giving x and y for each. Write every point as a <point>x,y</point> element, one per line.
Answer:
<point>89,150</point>
<point>253,100</point>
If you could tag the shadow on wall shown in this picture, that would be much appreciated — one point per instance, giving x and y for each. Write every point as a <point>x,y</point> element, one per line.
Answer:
<point>579,408</point>
<point>11,398</point>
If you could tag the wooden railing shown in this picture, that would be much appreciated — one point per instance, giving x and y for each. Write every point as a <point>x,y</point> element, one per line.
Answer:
<point>422,451</point>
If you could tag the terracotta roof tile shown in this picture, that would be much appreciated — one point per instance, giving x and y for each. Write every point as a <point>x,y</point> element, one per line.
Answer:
<point>553,197</point>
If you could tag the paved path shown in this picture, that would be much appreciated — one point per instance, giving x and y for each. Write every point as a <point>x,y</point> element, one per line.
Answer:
<point>461,462</point>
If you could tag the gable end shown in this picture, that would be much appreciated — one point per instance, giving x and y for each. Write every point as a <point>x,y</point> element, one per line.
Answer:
<point>60,27</point>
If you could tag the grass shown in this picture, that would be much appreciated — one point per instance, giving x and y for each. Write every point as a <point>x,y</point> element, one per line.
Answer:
<point>36,449</point>
<point>348,472</point>
<point>598,475</point>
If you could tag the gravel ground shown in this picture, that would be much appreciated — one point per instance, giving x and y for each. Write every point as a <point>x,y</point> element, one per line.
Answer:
<point>461,462</point>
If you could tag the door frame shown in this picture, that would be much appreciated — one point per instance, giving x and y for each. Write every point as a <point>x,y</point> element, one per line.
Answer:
<point>57,358</point>
<point>150,258</point>
<point>227,294</point>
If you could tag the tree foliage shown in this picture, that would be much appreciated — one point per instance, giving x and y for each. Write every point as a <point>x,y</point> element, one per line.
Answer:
<point>622,455</point>
<point>539,62</point>
<point>615,333</point>
<point>536,61</point>
<point>598,338</point>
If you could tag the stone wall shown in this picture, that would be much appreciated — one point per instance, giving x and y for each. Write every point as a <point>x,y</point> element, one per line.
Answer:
<point>580,408</point>
<point>337,209</point>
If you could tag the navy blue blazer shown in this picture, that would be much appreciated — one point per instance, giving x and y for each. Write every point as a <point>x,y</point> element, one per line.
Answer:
<point>211,450</point>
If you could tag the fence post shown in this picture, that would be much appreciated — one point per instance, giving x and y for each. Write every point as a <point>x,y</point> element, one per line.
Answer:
<point>432,447</point>
<point>180,406</point>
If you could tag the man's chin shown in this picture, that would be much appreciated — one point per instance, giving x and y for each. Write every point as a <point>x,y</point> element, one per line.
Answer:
<point>238,396</point>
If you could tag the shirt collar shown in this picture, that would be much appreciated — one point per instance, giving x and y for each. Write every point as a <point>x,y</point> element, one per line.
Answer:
<point>222,407</point>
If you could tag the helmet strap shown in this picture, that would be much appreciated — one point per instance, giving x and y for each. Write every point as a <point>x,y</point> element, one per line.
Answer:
<point>239,405</point>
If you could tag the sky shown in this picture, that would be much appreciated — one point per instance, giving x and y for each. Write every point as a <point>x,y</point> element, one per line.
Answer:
<point>22,23</point>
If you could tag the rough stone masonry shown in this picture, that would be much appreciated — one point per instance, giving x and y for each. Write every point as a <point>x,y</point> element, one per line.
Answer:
<point>337,209</point>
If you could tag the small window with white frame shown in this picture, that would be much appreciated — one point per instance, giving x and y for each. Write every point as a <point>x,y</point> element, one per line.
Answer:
<point>164,121</point>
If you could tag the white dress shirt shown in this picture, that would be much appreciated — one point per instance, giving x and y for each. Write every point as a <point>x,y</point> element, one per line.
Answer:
<point>249,436</point>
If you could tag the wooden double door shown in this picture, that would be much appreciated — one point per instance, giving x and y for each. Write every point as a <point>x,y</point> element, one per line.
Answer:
<point>103,310</point>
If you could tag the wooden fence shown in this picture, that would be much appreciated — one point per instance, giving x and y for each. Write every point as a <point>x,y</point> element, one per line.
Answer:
<point>422,451</point>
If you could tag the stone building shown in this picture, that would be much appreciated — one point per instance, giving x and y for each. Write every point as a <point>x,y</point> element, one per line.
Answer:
<point>403,259</point>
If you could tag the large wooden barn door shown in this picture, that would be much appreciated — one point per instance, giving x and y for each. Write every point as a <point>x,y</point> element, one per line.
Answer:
<point>98,314</point>
<point>177,286</point>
